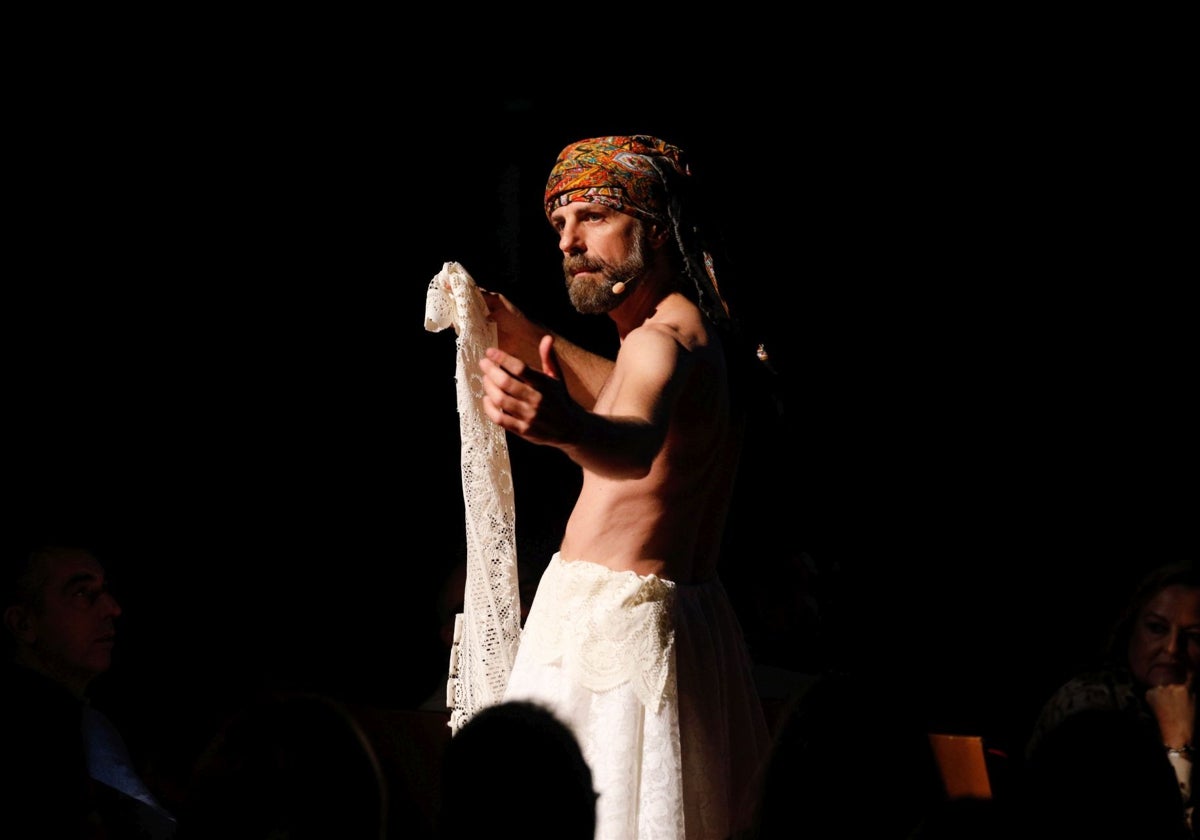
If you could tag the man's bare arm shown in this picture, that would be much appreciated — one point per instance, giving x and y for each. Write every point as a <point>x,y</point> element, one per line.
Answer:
<point>583,371</point>
<point>621,443</point>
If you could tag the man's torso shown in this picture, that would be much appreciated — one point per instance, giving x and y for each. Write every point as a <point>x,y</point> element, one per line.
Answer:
<point>668,522</point>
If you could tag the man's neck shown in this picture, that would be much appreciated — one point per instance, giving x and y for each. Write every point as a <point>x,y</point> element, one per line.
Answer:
<point>644,297</point>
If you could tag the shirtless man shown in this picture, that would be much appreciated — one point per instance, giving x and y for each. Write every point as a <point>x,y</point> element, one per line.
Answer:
<point>631,637</point>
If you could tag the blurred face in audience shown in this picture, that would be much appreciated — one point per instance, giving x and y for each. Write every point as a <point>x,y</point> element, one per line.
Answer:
<point>1165,646</point>
<point>67,631</point>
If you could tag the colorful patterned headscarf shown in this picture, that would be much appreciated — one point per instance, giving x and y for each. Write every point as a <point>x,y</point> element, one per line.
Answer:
<point>644,177</point>
<point>621,172</point>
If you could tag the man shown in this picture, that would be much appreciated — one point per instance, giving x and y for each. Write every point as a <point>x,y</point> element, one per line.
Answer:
<point>69,772</point>
<point>631,638</point>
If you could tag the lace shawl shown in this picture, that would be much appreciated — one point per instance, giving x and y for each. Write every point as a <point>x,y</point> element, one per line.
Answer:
<point>488,630</point>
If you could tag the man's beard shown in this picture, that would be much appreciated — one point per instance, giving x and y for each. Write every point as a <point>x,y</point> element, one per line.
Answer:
<point>594,295</point>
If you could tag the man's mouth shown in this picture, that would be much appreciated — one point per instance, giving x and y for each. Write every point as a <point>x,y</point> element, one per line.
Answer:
<point>582,268</point>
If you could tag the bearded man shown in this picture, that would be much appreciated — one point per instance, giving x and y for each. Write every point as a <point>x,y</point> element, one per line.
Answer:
<point>631,638</point>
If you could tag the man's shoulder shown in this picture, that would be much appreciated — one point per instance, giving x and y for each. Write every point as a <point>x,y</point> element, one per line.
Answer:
<point>678,319</point>
<point>25,690</point>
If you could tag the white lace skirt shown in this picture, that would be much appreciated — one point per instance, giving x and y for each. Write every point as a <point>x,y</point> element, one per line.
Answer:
<point>654,679</point>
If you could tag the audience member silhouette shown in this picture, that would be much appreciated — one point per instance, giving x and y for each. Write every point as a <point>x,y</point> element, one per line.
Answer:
<point>69,772</point>
<point>1128,723</point>
<point>848,759</point>
<point>515,770</point>
<point>969,818</point>
<point>1096,774</point>
<point>287,765</point>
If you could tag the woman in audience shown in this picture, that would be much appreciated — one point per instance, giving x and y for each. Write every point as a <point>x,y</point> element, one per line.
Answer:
<point>1116,743</point>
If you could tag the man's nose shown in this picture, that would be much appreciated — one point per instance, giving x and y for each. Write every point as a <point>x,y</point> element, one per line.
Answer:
<point>109,604</point>
<point>568,239</point>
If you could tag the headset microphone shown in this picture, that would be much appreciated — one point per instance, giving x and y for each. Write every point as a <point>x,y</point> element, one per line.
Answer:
<point>618,287</point>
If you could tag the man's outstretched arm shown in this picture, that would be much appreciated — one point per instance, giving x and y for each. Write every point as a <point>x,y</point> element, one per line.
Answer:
<point>621,443</point>
<point>582,371</point>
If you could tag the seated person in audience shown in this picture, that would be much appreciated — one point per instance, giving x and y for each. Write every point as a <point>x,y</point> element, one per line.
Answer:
<point>69,771</point>
<point>1096,774</point>
<point>290,765</point>
<point>1142,690</point>
<point>848,758</point>
<point>515,769</point>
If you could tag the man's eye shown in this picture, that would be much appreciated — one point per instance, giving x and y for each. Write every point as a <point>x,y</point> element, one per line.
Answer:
<point>87,595</point>
<point>1156,628</point>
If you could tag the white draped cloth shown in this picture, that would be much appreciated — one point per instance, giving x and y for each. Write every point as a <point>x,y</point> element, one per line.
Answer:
<point>489,628</point>
<point>654,679</point>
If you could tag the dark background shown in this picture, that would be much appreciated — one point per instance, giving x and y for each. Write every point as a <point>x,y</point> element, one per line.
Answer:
<point>217,368</point>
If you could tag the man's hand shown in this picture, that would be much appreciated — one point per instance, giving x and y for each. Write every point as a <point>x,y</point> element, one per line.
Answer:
<point>530,403</point>
<point>515,334</point>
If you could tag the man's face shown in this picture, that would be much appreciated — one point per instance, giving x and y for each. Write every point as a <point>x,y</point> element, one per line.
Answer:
<point>601,247</point>
<point>1165,646</point>
<point>70,634</point>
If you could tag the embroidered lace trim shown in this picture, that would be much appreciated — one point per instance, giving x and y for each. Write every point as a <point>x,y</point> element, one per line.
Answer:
<point>489,628</point>
<point>606,628</point>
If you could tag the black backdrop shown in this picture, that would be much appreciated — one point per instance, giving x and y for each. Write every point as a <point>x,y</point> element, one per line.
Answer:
<point>217,368</point>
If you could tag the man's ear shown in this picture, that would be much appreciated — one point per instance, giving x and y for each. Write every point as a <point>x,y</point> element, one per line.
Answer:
<point>16,622</point>
<point>658,235</point>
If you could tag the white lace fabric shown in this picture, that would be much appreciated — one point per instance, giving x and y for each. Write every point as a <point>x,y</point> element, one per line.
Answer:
<point>598,650</point>
<point>654,680</point>
<point>605,628</point>
<point>488,631</point>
